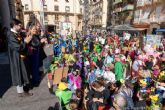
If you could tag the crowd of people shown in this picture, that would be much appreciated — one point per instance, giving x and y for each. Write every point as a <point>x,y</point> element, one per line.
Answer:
<point>108,73</point>
<point>105,71</point>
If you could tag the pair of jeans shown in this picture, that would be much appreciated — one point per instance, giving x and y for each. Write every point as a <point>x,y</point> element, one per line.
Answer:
<point>35,66</point>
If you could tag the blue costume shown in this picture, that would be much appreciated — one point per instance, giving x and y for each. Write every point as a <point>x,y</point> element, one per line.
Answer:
<point>56,50</point>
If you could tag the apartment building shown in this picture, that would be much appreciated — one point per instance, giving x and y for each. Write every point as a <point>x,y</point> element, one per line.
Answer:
<point>150,15</point>
<point>122,12</point>
<point>19,10</point>
<point>98,14</point>
<point>56,15</point>
<point>10,9</point>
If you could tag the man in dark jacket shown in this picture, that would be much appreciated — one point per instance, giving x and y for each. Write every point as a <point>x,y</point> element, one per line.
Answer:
<point>17,48</point>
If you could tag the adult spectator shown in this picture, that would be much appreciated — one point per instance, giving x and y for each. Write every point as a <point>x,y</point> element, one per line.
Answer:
<point>17,48</point>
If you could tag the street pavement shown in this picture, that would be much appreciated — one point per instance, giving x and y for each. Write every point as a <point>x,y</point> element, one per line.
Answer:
<point>9,100</point>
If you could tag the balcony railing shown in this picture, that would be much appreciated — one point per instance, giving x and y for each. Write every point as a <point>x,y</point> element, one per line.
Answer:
<point>157,1</point>
<point>146,20</point>
<point>128,7</point>
<point>117,1</point>
<point>136,20</point>
<point>162,18</point>
<point>153,19</point>
<point>148,2</point>
<point>117,10</point>
<point>140,3</point>
<point>159,19</point>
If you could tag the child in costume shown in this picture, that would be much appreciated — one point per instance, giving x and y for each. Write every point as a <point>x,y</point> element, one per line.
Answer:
<point>154,102</point>
<point>97,47</point>
<point>69,45</point>
<point>74,80</point>
<point>119,71</point>
<point>64,94</point>
<point>56,49</point>
<point>156,71</point>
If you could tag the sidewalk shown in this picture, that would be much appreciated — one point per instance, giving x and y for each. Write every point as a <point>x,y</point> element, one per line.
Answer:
<point>41,100</point>
<point>9,100</point>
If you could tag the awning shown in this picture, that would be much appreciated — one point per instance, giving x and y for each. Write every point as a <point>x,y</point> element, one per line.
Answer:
<point>160,30</point>
<point>141,29</point>
<point>124,28</point>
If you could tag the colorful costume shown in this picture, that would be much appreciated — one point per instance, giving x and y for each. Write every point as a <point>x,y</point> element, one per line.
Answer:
<point>56,50</point>
<point>74,81</point>
<point>119,71</point>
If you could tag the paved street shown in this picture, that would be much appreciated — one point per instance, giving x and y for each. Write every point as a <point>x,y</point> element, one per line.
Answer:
<point>42,99</point>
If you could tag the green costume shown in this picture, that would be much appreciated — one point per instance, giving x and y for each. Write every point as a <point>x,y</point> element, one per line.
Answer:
<point>64,97</point>
<point>94,58</point>
<point>119,71</point>
<point>98,48</point>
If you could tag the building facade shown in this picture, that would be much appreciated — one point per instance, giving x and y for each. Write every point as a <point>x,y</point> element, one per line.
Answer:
<point>122,12</point>
<point>150,15</point>
<point>10,9</point>
<point>98,14</point>
<point>86,14</point>
<point>56,15</point>
<point>18,10</point>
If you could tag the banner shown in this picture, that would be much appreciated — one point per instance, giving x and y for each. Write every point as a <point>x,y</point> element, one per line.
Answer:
<point>153,40</point>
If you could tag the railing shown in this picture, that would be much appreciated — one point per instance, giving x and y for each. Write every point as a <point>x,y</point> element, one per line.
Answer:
<point>148,2</point>
<point>117,1</point>
<point>117,10</point>
<point>162,18</point>
<point>156,19</point>
<point>136,20</point>
<point>145,20</point>
<point>128,7</point>
<point>140,3</point>
<point>156,1</point>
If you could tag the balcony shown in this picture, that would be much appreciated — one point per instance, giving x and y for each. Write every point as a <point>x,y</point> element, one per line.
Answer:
<point>117,1</point>
<point>162,18</point>
<point>117,10</point>
<point>140,3</point>
<point>128,7</point>
<point>148,2</point>
<point>136,20</point>
<point>145,20</point>
<point>154,19</point>
<point>157,1</point>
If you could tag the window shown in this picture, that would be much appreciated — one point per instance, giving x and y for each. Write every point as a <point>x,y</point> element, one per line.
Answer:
<point>56,17</point>
<point>56,8</point>
<point>46,23</point>
<point>45,7</point>
<point>46,17</point>
<point>67,18</point>
<point>26,7</point>
<point>67,0</point>
<point>67,9</point>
